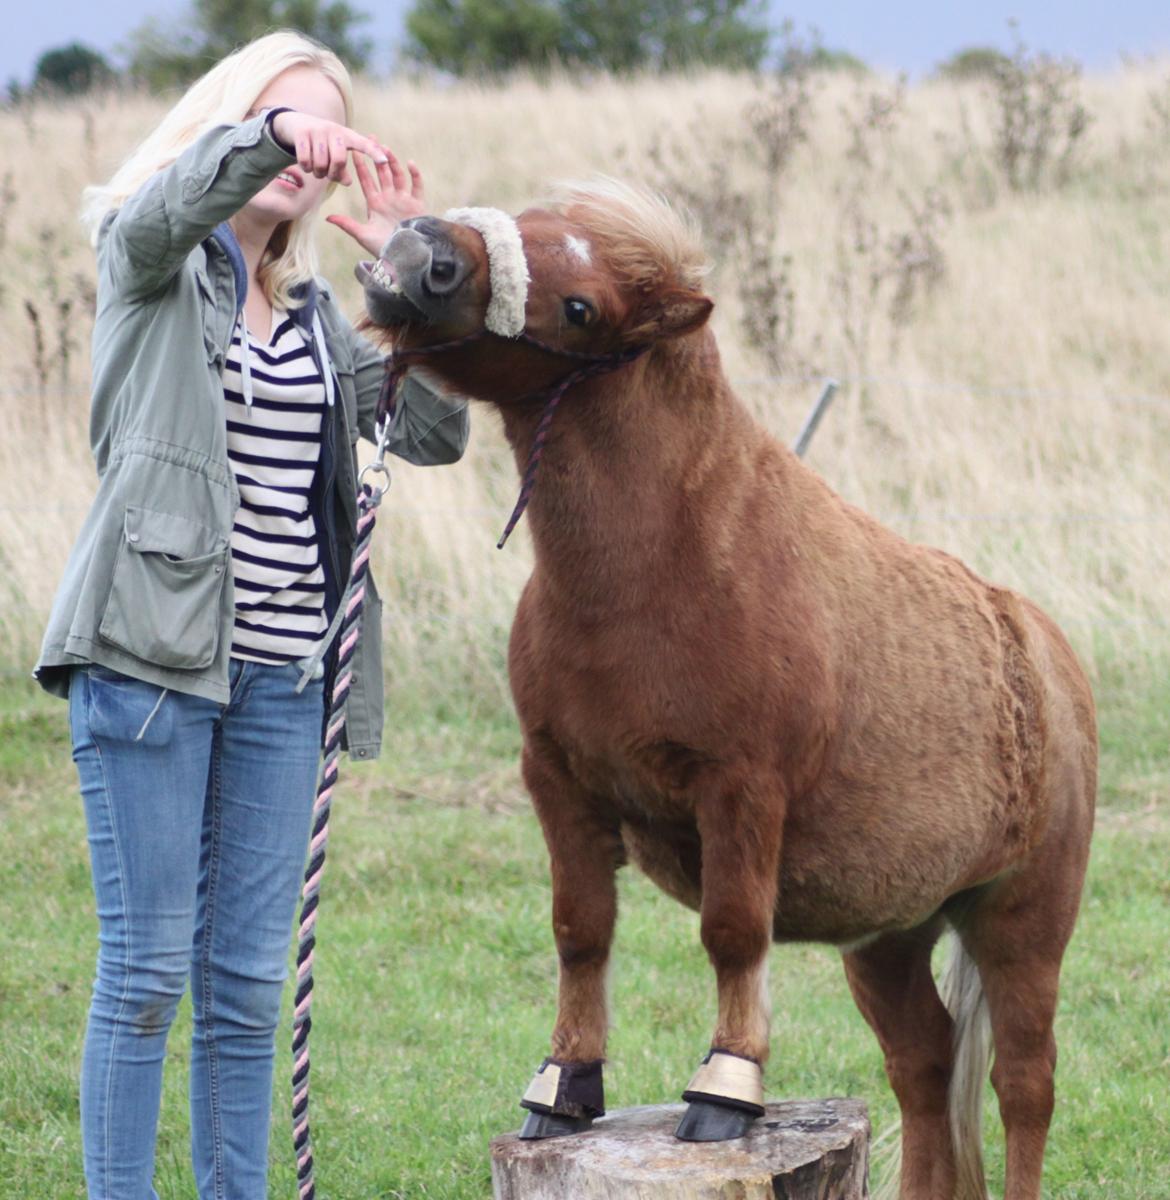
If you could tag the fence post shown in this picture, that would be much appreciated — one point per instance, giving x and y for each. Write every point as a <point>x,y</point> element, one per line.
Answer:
<point>814,417</point>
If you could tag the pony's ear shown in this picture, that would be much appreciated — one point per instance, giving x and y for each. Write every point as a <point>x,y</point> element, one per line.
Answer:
<point>669,314</point>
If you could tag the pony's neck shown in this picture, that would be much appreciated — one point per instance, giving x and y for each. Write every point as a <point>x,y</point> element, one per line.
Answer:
<point>631,462</point>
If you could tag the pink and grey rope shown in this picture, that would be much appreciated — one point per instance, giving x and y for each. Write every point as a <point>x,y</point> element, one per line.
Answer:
<point>348,631</point>
<point>347,635</point>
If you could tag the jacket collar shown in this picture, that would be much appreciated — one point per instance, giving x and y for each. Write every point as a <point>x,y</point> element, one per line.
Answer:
<point>225,239</point>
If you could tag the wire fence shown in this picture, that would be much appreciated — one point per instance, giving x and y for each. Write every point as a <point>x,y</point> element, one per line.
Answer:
<point>931,387</point>
<point>422,512</point>
<point>905,383</point>
<point>903,519</point>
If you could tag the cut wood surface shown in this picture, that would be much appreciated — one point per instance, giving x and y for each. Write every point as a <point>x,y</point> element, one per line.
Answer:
<point>799,1150</point>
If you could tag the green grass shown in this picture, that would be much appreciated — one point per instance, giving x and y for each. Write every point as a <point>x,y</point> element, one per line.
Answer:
<point>436,976</point>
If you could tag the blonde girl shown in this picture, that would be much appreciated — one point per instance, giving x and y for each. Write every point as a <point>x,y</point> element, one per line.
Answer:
<point>228,393</point>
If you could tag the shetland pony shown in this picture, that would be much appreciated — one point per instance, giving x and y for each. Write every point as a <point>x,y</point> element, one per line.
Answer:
<point>790,718</point>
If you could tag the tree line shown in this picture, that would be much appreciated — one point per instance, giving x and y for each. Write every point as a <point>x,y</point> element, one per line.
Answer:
<point>469,37</point>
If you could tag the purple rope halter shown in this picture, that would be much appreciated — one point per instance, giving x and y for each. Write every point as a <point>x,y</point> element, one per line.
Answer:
<point>589,366</point>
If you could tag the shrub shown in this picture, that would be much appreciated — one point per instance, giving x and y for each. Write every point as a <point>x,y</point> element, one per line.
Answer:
<point>1041,120</point>
<point>71,70</point>
<point>974,62</point>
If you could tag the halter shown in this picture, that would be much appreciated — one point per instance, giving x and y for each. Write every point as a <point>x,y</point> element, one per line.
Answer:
<point>588,366</point>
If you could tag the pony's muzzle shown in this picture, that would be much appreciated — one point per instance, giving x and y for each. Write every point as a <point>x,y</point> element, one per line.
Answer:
<point>422,253</point>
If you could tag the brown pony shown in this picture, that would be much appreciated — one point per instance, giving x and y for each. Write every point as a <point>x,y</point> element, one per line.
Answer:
<point>790,718</point>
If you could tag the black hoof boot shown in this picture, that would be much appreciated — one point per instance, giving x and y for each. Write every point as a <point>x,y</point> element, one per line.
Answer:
<point>550,1125</point>
<point>707,1122</point>
<point>575,1089</point>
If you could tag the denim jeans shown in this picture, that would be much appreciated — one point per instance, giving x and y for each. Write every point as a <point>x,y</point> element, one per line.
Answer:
<point>198,817</point>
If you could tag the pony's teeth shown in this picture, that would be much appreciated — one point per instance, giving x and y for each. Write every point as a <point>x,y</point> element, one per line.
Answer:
<point>384,279</point>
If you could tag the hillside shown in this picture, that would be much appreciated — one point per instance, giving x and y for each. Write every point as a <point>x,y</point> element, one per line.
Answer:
<point>1002,349</point>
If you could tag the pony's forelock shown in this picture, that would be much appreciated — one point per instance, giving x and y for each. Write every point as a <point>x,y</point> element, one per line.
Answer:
<point>648,242</point>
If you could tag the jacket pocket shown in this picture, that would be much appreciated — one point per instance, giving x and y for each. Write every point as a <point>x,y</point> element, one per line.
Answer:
<point>164,599</point>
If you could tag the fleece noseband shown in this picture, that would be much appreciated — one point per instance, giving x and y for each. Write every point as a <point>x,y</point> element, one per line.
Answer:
<point>507,267</point>
<point>508,272</point>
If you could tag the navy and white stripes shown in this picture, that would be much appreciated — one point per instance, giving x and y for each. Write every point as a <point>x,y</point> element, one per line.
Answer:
<point>274,446</point>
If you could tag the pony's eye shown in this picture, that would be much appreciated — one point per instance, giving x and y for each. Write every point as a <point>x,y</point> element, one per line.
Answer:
<point>578,312</point>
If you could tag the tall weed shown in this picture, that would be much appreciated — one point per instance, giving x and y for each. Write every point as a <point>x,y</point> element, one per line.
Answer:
<point>1042,122</point>
<point>995,348</point>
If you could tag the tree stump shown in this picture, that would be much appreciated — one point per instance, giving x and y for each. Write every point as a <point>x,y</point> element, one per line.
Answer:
<point>799,1150</point>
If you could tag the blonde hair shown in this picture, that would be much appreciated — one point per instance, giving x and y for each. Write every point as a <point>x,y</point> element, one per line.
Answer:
<point>224,96</point>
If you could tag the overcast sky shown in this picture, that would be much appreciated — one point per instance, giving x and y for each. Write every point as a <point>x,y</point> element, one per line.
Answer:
<point>910,35</point>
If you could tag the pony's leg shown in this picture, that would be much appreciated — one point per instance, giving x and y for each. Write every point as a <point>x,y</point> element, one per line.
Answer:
<point>740,834</point>
<point>1016,935</point>
<point>892,984</point>
<point>585,850</point>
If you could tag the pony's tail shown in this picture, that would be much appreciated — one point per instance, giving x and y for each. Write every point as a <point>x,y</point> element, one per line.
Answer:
<point>961,990</point>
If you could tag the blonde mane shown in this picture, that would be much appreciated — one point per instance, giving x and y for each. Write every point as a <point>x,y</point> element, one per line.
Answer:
<point>646,241</point>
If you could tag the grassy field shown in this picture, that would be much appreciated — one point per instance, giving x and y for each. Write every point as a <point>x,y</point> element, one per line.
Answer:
<point>1005,396</point>
<point>436,978</point>
<point>1002,350</point>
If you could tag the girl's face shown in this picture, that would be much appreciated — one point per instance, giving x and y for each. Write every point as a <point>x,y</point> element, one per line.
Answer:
<point>293,193</point>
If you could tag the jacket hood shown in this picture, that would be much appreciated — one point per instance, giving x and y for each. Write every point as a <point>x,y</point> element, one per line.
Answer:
<point>225,239</point>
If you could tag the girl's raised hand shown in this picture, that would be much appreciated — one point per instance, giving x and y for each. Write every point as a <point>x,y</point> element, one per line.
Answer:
<point>393,195</point>
<point>323,147</point>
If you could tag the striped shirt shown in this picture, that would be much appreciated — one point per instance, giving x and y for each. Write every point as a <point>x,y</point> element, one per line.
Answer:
<point>274,449</point>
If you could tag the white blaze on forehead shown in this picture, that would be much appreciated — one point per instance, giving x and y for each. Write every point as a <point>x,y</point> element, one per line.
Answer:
<point>507,266</point>
<point>579,248</point>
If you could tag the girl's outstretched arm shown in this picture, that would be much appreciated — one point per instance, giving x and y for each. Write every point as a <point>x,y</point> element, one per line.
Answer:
<point>146,240</point>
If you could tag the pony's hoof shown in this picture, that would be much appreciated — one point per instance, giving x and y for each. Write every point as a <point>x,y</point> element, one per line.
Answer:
<point>550,1125</point>
<point>707,1122</point>
<point>725,1095</point>
<point>573,1088</point>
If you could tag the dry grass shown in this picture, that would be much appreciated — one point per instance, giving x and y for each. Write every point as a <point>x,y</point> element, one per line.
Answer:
<point>999,412</point>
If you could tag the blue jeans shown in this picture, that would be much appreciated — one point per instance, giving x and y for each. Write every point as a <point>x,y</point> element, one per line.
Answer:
<point>198,817</point>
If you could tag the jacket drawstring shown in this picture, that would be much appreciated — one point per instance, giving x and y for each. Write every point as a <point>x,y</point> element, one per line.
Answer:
<point>323,356</point>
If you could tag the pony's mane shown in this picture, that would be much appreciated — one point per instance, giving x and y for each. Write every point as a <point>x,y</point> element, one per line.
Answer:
<point>645,240</point>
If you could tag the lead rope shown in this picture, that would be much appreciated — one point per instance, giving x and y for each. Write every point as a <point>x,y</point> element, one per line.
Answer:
<point>368,499</point>
<point>350,614</point>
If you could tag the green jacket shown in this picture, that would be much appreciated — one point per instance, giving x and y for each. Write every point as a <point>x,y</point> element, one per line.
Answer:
<point>147,589</point>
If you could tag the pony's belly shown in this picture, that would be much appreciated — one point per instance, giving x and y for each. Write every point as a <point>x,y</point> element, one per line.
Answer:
<point>847,885</point>
<point>815,903</point>
<point>832,888</point>
<point>848,871</point>
<point>833,915</point>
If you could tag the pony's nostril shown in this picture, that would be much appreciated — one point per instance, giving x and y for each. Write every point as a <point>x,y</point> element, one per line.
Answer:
<point>443,275</point>
<point>427,226</point>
